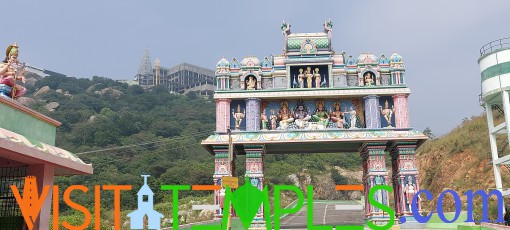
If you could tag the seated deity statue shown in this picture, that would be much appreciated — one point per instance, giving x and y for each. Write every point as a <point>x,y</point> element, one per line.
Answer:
<point>308,75</point>
<point>11,71</point>
<point>301,115</point>
<point>284,115</point>
<point>251,83</point>
<point>387,113</point>
<point>317,77</point>
<point>321,116</point>
<point>337,115</point>
<point>369,81</point>
<point>301,78</point>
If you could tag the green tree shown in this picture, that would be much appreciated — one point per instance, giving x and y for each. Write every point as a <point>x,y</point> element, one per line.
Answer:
<point>338,178</point>
<point>428,132</point>
<point>135,90</point>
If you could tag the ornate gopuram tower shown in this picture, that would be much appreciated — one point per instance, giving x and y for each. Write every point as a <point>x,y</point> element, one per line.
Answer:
<point>313,100</point>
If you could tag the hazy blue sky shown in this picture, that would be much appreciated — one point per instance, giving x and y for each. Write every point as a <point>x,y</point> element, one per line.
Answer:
<point>438,39</point>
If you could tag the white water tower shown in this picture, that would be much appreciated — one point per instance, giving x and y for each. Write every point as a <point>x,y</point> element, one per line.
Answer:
<point>494,64</point>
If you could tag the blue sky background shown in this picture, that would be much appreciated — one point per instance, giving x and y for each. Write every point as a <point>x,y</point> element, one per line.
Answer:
<point>439,40</point>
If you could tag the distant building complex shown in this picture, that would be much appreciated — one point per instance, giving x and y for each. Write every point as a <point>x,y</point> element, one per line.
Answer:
<point>182,78</point>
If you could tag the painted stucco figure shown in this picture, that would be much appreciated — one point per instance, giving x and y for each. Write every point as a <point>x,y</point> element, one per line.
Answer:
<point>273,119</point>
<point>11,71</point>
<point>301,115</point>
<point>284,115</point>
<point>251,83</point>
<point>379,196</point>
<point>337,116</point>
<point>301,78</point>
<point>410,191</point>
<point>354,120</point>
<point>264,120</point>
<point>308,75</point>
<point>238,116</point>
<point>387,113</point>
<point>317,77</point>
<point>369,81</point>
<point>321,116</point>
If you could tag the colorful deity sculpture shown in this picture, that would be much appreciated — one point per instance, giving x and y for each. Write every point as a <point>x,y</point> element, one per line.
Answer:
<point>301,115</point>
<point>379,196</point>
<point>264,120</point>
<point>11,71</point>
<point>251,83</point>
<point>273,118</point>
<point>410,191</point>
<point>317,77</point>
<point>321,116</point>
<point>301,78</point>
<point>337,116</point>
<point>369,80</point>
<point>284,115</point>
<point>354,120</point>
<point>387,113</point>
<point>238,116</point>
<point>308,75</point>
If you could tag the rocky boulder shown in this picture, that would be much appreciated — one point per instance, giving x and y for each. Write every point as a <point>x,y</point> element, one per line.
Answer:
<point>109,92</point>
<point>25,101</point>
<point>51,106</point>
<point>92,118</point>
<point>42,90</point>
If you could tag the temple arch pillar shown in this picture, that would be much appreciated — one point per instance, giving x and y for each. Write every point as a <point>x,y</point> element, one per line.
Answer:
<point>255,174</point>
<point>374,173</point>
<point>406,181</point>
<point>222,167</point>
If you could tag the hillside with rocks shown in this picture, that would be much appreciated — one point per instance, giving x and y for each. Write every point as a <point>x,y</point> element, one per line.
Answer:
<point>459,161</point>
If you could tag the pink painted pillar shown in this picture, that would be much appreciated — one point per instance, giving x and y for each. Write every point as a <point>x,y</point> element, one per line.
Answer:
<point>222,167</point>
<point>44,174</point>
<point>401,111</point>
<point>222,115</point>
<point>374,173</point>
